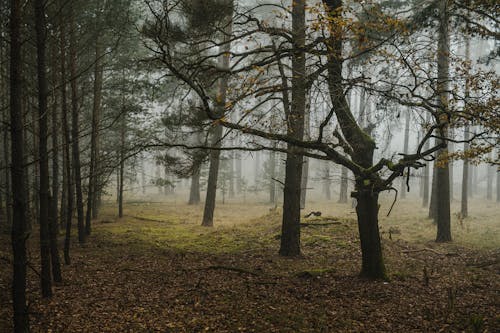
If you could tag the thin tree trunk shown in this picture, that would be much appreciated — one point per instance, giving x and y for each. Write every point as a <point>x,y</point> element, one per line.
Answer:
<point>208,213</point>
<point>20,222</point>
<point>75,130</point>
<point>67,214</point>
<point>44,184</point>
<point>489,179</point>
<point>194,192</point>
<point>122,166</point>
<point>290,228</point>
<point>344,184</point>
<point>405,150</point>
<point>425,176</point>
<point>98,73</point>
<point>272,181</point>
<point>54,252</point>
<point>327,182</point>
<point>464,206</point>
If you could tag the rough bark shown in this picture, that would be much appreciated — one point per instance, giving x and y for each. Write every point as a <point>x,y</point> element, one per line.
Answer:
<point>20,222</point>
<point>43,160</point>
<point>290,230</point>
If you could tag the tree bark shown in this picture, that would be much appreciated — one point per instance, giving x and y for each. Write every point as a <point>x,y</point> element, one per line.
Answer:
<point>290,230</point>
<point>96,108</point>
<point>464,205</point>
<point>442,176</point>
<point>43,188</point>
<point>75,127</point>
<point>20,223</point>
<point>194,192</point>
<point>213,173</point>
<point>371,249</point>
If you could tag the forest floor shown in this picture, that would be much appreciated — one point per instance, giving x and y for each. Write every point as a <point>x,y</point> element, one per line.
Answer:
<point>157,270</point>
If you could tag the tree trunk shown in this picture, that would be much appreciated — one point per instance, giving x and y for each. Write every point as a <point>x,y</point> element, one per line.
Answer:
<point>43,160</point>
<point>327,182</point>
<point>425,180</point>
<point>290,229</point>
<point>194,192</point>
<point>20,222</point>
<point>272,173</point>
<point>434,195</point>
<point>371,249</point>
<point>303,182</point>
<point>213,173</point>
<point>122,165</point>
<point>489,179</point>
<point>8,189</point>
<point>443,176</point>
<point>67,214</point>
<point>344,184</point>
<point>91,189</point>
<point>75,127</point>
<point>54,252</point>
<point>464,207</point>
<point>404,188</point>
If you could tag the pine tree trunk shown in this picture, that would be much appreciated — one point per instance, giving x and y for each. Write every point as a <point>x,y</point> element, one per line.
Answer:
<point>19,198</point>
<point>54,251</point>
<point>67,213</point>
<point>213,172</point>
<point>91,189</point>
<point>75,127</point>
<point>290,229</point>
<point>43,160</point>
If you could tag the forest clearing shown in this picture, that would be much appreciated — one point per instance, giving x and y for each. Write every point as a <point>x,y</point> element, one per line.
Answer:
<point>157,270</point>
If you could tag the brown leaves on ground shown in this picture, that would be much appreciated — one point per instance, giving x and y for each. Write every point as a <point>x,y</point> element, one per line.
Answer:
<point>122,284</point>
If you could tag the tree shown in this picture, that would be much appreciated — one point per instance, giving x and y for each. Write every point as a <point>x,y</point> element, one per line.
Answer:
<point>442,172</point>
<point>208,212</point>
<point>41,33</point>
<point>20,223</point>
<point>290,227</point>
